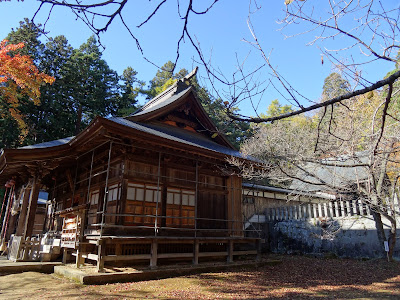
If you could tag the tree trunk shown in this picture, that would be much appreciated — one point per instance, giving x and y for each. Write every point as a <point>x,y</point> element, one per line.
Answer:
<point>392,239</point>
<point>379,230</point>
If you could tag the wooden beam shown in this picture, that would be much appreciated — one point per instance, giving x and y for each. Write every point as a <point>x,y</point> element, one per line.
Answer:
<point>210,254</point>
<point>89,256</point>
<point>245,252</point>
<point>175,255</point>
<point>127,257</point>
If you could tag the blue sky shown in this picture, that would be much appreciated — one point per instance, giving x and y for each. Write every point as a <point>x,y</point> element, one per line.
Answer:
<point>220,33</point>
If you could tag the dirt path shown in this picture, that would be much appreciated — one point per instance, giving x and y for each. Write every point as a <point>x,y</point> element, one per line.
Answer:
<point>296,278</point>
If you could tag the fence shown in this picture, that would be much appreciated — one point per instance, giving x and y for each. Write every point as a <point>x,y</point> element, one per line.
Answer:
<point>332,209</point>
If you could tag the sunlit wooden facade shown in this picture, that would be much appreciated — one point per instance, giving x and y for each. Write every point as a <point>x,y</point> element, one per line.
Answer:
<point>154,185</point>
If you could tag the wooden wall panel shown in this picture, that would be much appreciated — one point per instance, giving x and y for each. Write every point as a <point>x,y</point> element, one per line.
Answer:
<point>234,185</point>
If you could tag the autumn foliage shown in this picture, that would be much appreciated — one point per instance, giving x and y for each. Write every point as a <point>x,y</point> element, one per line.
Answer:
<point>19,77</point>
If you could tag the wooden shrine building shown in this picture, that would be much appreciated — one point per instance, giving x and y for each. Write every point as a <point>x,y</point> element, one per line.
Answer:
<point>150,186</point>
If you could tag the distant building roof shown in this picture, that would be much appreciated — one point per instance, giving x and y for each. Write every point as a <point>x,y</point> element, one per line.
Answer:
<point>286,191</point>
<point>336,172</point>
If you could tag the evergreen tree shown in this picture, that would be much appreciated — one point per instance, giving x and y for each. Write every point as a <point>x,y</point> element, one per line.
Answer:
<point>85,86</point>
<point>29,34</point>
<point>91,86</point>
<point>128,102</point>
<point>335,85</point>
<point>164,79</point>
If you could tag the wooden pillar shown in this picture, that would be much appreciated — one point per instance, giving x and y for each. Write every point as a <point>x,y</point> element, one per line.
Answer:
<point>65,256</point>
<point>154,254</point>
<point>79,259</point>
<point>33,201</point>
<point>11,225</point>
<point>79,252</point>
<point>105,198</point>
<point>81,217</point>
<point>156,223</point>
<point>164,191</point>
<point>229,258</point>
<point>122,201</point>
<point>101,251</point>
<point>196,250</point>
<point>196,198</point>
<point>232,212</point>
<point>7,207</point>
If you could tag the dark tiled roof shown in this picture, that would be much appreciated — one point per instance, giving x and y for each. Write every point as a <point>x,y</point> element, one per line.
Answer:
<point>162,100</point>
<point>167,97</point>
<point>179,135</point>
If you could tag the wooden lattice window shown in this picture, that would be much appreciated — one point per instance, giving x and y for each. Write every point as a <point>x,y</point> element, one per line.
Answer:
<point>180,206</point>
<point>142,203</point>
<point>114,192</point>
<point>143,192</point>
<point>94,197</point>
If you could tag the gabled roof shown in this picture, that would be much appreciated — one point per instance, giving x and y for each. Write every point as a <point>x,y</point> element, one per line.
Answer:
<point>180,93</point>
<point>179,135</point>
<point>162,101</point>
<point>168,97</point>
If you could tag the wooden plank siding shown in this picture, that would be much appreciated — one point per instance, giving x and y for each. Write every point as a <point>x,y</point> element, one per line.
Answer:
<point>234,184</point>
